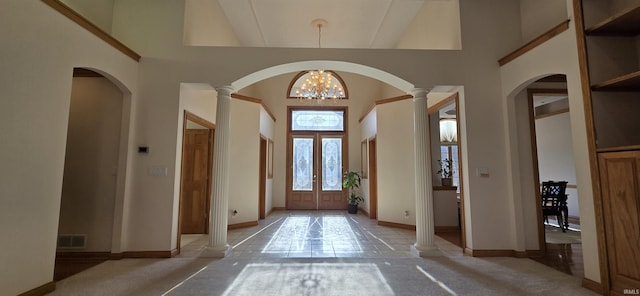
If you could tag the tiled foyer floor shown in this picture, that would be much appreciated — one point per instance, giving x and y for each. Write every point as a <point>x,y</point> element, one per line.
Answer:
<point>318,234</point>
<point>316,254</point>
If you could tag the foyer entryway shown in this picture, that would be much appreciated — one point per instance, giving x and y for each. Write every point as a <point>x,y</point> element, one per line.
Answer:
<point>316,156</point>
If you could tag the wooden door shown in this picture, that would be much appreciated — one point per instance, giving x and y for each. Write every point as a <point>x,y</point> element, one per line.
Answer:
<point>262,182</point>
<point>315,176</point>
<point>373,181</point>
<point>195,167</point>
<point>620,183</point>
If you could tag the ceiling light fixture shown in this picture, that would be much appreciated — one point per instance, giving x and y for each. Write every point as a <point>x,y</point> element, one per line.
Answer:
<point>318,84</point>
<point>448,131</point>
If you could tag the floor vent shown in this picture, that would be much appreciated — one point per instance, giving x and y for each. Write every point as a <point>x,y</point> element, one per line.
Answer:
<point>72,241</point>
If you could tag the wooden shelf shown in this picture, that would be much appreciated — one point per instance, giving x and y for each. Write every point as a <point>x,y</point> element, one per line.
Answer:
<point>445,188</point>
<point>626,23</point>
<point>616,149</point>
<point>628,82</point>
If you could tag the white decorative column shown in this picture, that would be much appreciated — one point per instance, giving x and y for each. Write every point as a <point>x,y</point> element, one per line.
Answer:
<point>218,246</point>
<point>424,245</point>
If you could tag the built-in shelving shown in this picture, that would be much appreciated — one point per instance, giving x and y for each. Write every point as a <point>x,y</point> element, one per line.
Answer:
<point>628,82</point>
<point>625,23</point>
<point>609,59</point>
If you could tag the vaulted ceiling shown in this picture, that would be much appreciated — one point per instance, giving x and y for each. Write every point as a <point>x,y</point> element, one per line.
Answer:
<point>418,24</point>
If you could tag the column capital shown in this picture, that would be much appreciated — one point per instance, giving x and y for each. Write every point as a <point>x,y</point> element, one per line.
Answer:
<point>419,93</point>
<point>225,90</point>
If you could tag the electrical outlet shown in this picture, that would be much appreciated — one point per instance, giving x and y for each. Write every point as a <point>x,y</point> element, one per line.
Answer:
<point>406,214</point>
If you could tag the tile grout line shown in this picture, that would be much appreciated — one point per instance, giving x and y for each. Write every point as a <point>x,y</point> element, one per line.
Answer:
<point>246,239</point>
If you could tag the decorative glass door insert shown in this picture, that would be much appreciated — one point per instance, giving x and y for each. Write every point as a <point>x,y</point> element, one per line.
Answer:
<point>303,164</point>
<point>331,164</point>
<point>315,159</point>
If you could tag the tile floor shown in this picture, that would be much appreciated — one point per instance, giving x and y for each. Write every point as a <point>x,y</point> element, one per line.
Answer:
<point>320,253</point>
<point>318,234</point>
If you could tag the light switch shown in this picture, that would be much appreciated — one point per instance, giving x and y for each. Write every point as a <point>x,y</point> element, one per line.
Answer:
<point>482,172</point>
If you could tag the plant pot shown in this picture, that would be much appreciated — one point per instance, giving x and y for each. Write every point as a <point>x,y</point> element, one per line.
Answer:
<point>352,209</point>
<point>446,181</point>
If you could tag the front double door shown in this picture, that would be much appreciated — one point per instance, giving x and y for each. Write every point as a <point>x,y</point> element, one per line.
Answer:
<point>314,177</point>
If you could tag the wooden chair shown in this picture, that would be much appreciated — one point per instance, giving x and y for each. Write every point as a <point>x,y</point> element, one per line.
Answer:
<point>554,202</point>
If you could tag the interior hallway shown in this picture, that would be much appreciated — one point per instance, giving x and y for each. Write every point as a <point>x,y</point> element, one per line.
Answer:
<point>321,253</point>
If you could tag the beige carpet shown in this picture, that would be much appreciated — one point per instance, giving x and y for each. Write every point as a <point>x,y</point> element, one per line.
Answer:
<point>554,235</point>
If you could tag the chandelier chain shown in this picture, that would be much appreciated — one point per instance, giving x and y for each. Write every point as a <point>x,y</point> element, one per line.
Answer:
<point>319,35</point>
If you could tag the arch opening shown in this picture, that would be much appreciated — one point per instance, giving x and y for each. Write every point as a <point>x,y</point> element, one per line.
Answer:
<point>539,130</point>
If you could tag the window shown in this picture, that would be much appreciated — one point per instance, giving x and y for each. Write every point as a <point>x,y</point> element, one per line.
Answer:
<point>451,152</point>
<point>304,77</point>
<point>317,120</point>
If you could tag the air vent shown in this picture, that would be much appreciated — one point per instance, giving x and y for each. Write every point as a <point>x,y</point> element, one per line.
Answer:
<point>72,241</point>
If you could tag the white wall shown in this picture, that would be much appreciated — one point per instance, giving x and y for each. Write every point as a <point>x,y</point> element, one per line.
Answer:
<point>524,213</point>
<point>36,75</point>
<point>395,158</point>
<point>91,162</point>
<point>436,26</point>
<point>99,12</point>
<point>206,24</point>
<point>539,16</point>
<point>555,155</point>
<point>244,164</point>
<point>267,126</point>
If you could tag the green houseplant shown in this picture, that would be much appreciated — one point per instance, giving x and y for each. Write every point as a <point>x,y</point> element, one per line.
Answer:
<point>351,181</point>
<point>446,171</point>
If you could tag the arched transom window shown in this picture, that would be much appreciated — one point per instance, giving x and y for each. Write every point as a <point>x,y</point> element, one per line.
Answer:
<point>317,84</point>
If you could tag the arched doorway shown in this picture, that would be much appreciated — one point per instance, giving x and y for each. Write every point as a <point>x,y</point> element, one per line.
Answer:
<point>539,115</point>
<point>258,76</point>
<point>94,170</point>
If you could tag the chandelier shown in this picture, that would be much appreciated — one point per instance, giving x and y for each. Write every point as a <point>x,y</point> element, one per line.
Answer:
<point>319,84</point>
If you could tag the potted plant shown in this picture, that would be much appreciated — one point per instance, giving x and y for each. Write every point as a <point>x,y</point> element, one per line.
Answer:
<point>351,181</point>
<point>445,171</point>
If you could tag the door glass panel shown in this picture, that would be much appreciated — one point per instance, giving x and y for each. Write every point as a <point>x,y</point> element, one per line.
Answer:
<point>303,164</point>
<point>332,164</point>
<point>317,120</point>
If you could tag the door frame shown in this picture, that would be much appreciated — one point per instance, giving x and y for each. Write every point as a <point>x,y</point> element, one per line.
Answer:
<point>290,134</point>
<point>455,99</point>
<point>188,116</point>
<point>534,158</point>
